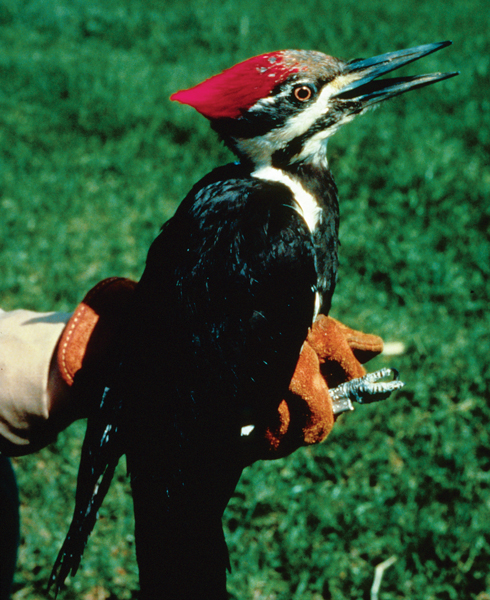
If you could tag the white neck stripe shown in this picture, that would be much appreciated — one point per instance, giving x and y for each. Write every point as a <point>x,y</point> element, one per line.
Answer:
<point>308,207</point>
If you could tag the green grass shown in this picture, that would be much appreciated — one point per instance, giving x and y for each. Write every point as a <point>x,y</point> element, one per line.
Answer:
<point>94,158</point>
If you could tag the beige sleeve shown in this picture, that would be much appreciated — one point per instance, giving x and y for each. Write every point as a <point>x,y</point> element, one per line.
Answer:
<point>27,383</point>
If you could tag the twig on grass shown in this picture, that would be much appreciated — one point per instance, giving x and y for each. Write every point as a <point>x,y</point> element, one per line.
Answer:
<point>378,575</point>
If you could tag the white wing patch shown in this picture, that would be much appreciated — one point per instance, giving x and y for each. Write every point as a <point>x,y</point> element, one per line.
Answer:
<point>247,430</point>
<point>318,303</point>
<point>308,206</point>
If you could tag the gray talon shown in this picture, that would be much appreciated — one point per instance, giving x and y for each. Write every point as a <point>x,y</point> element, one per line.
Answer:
<point>365,390</point>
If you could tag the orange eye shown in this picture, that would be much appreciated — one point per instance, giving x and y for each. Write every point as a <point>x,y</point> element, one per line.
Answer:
<point>303,93</point>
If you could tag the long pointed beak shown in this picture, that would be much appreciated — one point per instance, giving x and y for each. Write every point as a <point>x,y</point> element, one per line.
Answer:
<point>360,75</point>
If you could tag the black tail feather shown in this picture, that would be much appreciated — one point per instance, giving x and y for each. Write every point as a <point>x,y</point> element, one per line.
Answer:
<point>100,454</point>
<point>68,559</point>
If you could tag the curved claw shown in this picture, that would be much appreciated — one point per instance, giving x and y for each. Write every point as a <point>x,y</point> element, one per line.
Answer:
<point>365,390</point>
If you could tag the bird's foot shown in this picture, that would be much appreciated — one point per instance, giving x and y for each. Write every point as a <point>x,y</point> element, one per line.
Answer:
<point>364,390</point>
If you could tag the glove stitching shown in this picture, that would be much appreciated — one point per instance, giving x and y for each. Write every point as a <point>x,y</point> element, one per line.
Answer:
<point>80,310</point>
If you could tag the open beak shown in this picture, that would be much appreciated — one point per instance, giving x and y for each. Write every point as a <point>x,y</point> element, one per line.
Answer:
<point>362,73</point>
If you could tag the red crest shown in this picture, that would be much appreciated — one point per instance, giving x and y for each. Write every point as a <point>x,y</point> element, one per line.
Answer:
<point>235,90</point>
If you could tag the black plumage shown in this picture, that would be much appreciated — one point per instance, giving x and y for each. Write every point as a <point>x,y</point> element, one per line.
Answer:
<point>231,280</point>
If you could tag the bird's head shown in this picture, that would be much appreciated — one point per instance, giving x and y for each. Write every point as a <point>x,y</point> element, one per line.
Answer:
<point>280,108</point>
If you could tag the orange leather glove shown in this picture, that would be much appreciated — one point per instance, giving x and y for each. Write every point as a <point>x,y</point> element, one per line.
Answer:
<point>88,334</point>
<point>331,355</point>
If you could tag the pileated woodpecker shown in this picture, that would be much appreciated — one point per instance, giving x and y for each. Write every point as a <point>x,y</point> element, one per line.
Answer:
<point>231,286</point>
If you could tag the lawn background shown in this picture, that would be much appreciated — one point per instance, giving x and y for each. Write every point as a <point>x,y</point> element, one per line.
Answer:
<point>94,158</point>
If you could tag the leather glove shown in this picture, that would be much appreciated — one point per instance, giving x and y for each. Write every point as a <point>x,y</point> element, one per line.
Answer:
<point>332,354</point>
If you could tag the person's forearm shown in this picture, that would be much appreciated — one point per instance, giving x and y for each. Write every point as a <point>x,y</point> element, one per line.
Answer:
<point>30,388</point>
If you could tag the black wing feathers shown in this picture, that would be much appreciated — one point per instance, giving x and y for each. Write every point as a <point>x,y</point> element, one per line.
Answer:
<point>234,275</point>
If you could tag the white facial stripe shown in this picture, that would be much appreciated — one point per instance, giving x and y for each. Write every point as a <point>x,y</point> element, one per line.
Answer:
<point>308,207</point>
<point>260,149</point>
<point>271,99</point>
<point>302,122</point>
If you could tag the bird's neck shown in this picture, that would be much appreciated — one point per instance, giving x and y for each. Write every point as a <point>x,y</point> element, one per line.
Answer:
<point>309,206</point>
<point>302,167</point>
<point>316,178</point>
<point>273,147</point>
<point>312,173</point>
<point>311,184</point>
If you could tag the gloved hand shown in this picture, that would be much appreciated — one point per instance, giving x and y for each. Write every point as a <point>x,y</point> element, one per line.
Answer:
<point>331,355</point>
<point>35,401</point>
<point>40,353</point>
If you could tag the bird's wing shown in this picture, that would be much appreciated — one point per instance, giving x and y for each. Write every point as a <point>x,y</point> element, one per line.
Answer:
<point>229,288</point>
